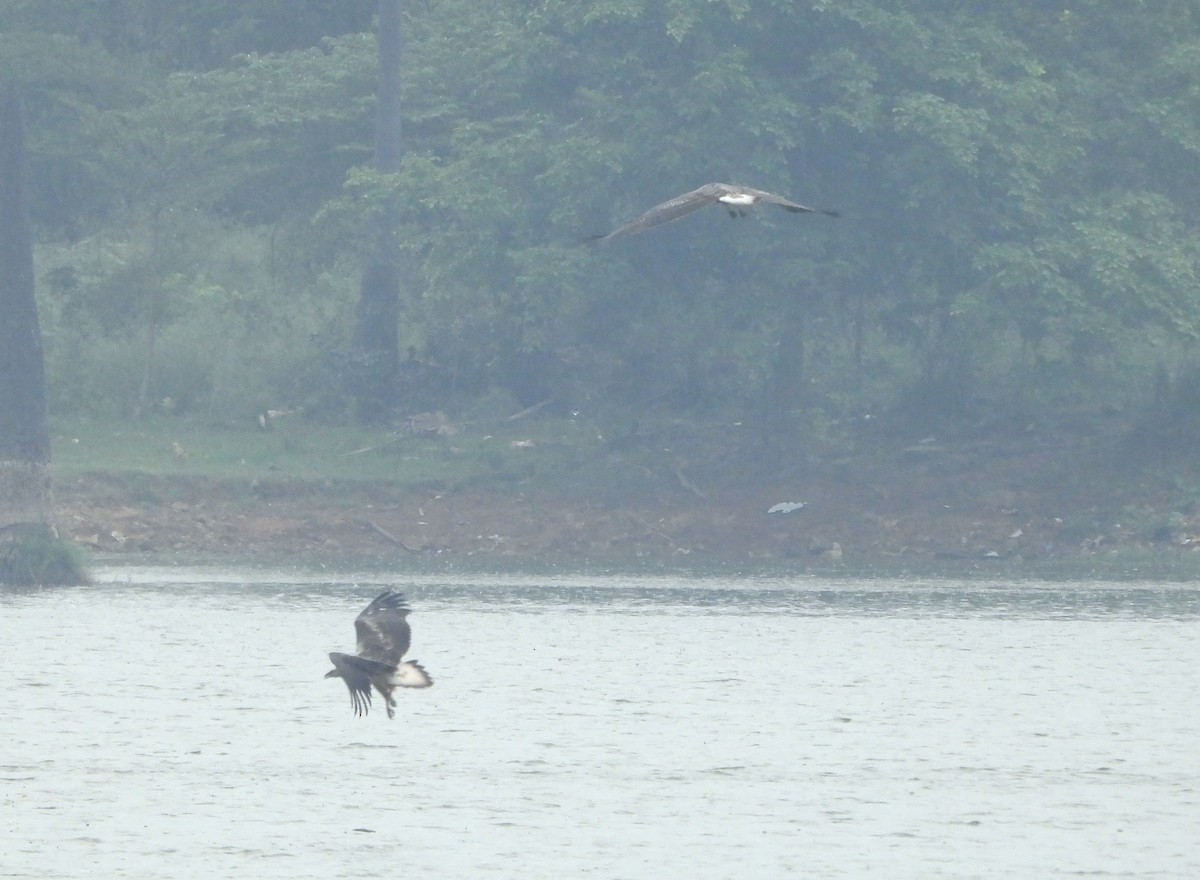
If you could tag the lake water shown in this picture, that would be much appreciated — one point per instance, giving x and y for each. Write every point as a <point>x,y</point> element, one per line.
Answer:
<point>175,723</point>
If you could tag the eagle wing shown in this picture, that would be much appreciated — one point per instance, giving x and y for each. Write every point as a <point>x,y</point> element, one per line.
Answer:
<point>359,674</point>
<point>772,199</point>
<point>383,631</point>
<point>672,209</point>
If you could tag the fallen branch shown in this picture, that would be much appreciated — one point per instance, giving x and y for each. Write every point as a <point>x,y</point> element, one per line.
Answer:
<point>382,531</point>
<point>529,410</point>
<point>688,484</point>
<point>372,448</point>
<point>650,527</point>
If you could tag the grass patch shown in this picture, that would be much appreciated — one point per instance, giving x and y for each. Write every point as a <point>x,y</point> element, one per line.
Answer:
<point>555,454</point>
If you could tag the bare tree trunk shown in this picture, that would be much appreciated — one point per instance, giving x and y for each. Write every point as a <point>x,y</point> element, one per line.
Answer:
<point>26,503</point>
<point>785,384</point>
<point>155,314</point>
<point>376,343</point>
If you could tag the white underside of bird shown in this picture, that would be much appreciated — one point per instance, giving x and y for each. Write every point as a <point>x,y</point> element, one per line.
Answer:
<point>740,199</point>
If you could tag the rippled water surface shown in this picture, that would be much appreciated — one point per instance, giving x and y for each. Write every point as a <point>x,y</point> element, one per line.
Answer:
<point>175,723</point>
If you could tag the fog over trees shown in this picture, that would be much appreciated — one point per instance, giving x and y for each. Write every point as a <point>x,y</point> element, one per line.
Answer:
<point>1016,183</point>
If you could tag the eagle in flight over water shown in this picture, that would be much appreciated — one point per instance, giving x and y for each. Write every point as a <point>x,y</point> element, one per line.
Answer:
<point>736,200</point>
<point>383,639</point>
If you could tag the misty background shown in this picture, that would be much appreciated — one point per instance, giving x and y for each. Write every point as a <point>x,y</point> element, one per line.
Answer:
<point>1016,183</point>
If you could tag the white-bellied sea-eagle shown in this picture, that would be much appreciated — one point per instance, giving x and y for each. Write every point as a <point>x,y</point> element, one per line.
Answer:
<point>383,639</point>
<point>736,200</point>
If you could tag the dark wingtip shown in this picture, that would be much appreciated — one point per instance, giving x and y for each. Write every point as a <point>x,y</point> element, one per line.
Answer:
<point>801,209</point>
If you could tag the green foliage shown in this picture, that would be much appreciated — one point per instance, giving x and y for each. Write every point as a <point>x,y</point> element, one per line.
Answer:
<point>41,560</point>
<point>230,340</point>
<point>160,453</point>
<point>1018,209</point>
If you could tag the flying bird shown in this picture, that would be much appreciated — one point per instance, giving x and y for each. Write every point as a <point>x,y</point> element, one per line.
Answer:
<point>736,200</point>
<point>383,638</point>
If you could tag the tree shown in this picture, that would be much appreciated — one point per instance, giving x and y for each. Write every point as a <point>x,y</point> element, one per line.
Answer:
<point>24,439</point>
<point>374,354</point>
<point>26,506</point>
<point>1018,214</point>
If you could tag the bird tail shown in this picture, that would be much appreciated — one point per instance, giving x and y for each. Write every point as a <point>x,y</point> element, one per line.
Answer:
<point>411,674</point>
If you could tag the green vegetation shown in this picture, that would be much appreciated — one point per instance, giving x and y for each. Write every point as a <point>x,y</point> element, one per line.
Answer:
<point>33,559</point>
<point>1018,241</point>
<point>562,455</point>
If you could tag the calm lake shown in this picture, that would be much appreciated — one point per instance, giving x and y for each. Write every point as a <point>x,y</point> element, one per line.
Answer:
<point>175,723</point>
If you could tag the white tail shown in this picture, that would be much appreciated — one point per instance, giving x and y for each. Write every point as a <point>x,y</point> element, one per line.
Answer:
<point>411,675</point>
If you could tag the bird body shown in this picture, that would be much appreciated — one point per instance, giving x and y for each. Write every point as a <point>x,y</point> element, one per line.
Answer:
<point>737,199</point>
<point>383,639</point>
<point>734,197</point>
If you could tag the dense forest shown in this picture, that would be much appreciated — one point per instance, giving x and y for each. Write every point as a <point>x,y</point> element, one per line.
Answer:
<point>1017,239</point>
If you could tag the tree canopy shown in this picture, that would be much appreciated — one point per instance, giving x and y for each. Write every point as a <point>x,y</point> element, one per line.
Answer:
<point>1017,230</point>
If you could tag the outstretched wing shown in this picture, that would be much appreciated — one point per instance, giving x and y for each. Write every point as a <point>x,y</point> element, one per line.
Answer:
<point>382,628</point>
<point>358,673</point>
<point>772,199</point>
<point>672,209</point>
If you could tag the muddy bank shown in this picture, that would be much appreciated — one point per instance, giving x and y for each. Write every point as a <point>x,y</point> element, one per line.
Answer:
<point>982,501</point>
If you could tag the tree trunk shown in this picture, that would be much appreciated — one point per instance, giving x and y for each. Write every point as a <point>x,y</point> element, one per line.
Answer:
<point>25,499</point>
<point>375,345</point>
<point>785,383</point>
